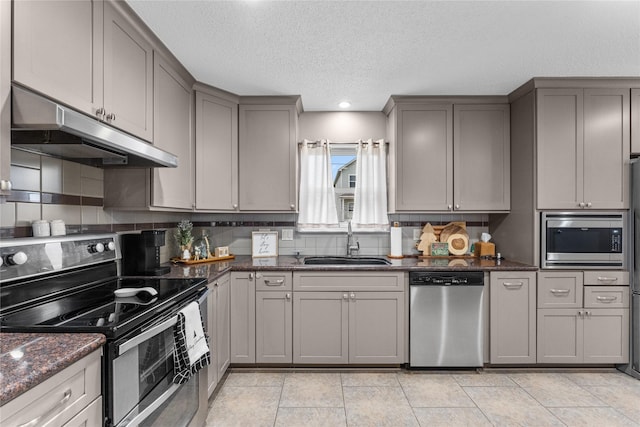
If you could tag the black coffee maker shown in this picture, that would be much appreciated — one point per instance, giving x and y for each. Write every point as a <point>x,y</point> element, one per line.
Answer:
<point>141,253</point>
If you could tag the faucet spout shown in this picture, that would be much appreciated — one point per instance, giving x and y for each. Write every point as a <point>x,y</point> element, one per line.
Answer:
<point>351,247</point>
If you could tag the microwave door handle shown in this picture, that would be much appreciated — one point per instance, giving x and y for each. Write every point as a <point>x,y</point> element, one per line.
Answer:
<point>141,416</point>
<point>155,330</point>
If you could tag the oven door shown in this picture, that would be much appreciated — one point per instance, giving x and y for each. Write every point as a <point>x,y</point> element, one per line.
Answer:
<point>142,390</point>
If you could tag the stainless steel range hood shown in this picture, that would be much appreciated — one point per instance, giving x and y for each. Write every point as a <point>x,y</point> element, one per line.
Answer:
<point>43,126</point>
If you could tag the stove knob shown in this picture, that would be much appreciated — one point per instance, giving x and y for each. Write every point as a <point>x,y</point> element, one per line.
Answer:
<point>97,248</point>
<point>18,258</point>
<point>109,246</point>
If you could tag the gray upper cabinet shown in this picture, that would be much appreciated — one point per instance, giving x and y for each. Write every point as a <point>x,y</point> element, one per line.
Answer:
<point>172,187</point>
<point>481,157</point>
<point>267,155</point>
<point>89,55</point>
<point>635,121</point>
<point>58,50</point>
<point>216,151</point>
<point>583,141</point>
<point>424,165</point>
<point>5,93</point>
<point>450,156</point>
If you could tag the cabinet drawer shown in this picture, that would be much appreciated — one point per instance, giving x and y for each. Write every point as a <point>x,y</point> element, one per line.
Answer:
<point>348,281</point>
<point>602,278</point>
<point>606,296</point>
<point>280,281</point>
<point>59,398</point>
<point>560,290</point>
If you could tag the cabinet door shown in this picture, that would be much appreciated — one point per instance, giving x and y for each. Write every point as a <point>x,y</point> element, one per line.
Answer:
<point>5,96</point>
<point>560,336</point>
<point>481,159</point>
<point>376,327</point>
<point>57,50</point>
<point>216,153</point>
<point>222,345</point>
<point>128,76</point>
<point>89,416</point>
<point>243,317</point>
<point>267,152</point>
<point>320,327</point>
<point>274,331</point>
<point>606,336</point>
<point>635,121</point>
<point>606,148</point>
<point>512,317</point>
<point>424,166</point>
<point>172,187</point>
<point>560,148</point>
<point>212,372</point>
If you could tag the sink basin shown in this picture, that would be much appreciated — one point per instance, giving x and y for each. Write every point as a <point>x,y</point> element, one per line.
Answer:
<point>343,260</point>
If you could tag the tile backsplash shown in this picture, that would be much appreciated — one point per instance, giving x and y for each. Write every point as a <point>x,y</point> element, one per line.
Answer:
<point>48,188</point>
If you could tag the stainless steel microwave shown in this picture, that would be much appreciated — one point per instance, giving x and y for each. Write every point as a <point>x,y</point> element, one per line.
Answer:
<point>583,240</point>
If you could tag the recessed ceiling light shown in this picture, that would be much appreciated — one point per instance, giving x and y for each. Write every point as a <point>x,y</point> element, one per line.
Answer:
<point>344,104</point>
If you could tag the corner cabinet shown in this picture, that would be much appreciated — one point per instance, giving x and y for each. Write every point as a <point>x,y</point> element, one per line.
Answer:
<point>216,150</point>
<point>106,68</point>
<point>512,317</point>
<point>348,318</point>
<point>161,188</point>
<point>267,153</point>
<point>635,121</point>
<point>218,329</point>
<point>450,156</point>
<point>583,146</point>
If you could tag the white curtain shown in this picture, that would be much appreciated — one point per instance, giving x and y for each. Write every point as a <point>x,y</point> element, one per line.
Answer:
<point>317,208</point>
<point>370,207</point>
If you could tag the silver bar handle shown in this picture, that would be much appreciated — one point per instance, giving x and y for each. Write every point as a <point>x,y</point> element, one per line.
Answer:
<point>606,300</point>
<point>155,330</point>
<point>513,285</point>
<point>270,282</point>
<point>607,279</point>
<point>37,420</point>
<point>559,291</point>
<point>151,408</point>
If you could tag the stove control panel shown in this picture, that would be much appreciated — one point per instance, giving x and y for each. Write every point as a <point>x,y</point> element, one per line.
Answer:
<point>22,258</point>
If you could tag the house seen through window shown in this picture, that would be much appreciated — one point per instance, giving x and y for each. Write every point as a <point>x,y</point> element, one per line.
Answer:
<point>343,165</point>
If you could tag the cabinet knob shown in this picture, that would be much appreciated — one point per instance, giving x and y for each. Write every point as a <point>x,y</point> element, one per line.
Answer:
<point>288,296</point>
<point>234,206</point>
<point>292,206</point>
<point>5,185</point>
<point>250,276</point>
<point>353,296</point>
<point>345,296</point>
<point>100,113</point>
<point>258,275</point>
<point>111,117</point>
<point>450,207</point>
<point>457,206</point>
<point>581,204</point>
<point>588,204</point>
<point>215,284</point>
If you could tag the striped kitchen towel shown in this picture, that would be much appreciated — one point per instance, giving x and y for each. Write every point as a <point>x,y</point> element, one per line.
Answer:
<point>191,352</point>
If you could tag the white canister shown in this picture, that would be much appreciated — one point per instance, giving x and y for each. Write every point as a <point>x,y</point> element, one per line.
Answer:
<point>58,227</point>
<point>40,228</point>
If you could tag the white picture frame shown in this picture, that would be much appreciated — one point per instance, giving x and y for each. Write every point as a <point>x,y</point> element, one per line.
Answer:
<point>264,244</point>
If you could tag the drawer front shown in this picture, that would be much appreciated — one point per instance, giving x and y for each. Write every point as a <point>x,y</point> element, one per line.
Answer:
<point>560,290</point>
<point>59,398</point>
<point>348,281</point>
<point>606,296</point>
<point>606,278</point>
<point>277,281</point>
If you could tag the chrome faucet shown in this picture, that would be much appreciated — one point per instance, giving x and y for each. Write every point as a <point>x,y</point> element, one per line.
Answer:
<point>351,247</point>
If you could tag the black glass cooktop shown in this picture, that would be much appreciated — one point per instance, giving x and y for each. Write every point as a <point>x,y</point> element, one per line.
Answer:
<point>95,308</point>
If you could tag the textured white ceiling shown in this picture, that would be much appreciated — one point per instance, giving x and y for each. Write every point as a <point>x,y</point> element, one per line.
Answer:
<point>365,51</point>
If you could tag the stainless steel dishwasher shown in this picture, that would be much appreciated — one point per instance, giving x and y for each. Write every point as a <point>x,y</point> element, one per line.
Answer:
<point>446,319</point>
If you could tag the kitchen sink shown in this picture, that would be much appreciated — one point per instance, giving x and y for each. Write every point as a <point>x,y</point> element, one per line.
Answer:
<point>343,260</point>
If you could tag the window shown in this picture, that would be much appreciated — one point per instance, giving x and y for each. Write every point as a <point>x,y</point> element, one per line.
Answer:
<point>352,181</point>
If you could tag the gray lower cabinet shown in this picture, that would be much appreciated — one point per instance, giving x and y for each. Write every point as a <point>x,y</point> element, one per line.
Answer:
<point>274,312</point>
<point>243,317</point>
<point>512,317</point>
<point>364,324</point>
<point>582,324</point>
<point>218,329</point>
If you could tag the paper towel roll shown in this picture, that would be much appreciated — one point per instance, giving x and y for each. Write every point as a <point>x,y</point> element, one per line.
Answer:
<point>396,241</point>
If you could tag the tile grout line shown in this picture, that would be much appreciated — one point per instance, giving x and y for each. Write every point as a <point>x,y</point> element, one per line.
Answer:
<point>344,403</point>
<point>486,417</point>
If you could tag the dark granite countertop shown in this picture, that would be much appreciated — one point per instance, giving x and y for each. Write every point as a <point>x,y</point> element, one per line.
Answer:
<point>215,269</point>
<point>26,360</point>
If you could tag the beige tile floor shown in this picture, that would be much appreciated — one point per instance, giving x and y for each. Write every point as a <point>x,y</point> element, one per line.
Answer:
<point>424,398</point>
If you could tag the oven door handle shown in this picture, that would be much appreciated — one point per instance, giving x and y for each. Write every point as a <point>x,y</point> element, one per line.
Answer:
<point>141,416</point>
<point>155,330</point>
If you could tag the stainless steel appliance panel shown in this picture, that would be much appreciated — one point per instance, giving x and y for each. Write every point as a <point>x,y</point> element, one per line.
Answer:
<point>446,326</point>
